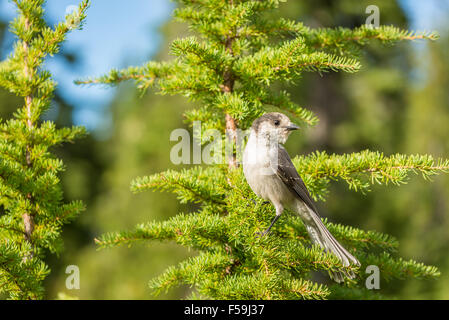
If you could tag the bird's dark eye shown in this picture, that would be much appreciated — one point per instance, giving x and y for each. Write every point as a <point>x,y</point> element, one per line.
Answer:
<point>276,122</point>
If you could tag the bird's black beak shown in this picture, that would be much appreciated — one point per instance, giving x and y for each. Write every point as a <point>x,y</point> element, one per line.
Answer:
<point>292,127</point>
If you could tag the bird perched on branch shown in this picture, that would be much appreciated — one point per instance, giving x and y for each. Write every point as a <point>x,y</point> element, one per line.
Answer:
<point>272,176</point>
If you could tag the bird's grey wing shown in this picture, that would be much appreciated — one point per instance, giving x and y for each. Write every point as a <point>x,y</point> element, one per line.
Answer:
<point>286,171</point>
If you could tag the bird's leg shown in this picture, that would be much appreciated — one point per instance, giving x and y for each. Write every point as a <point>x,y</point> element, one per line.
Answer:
<point>261,234</point>
<point>279,210</point>
<point>253,201</point>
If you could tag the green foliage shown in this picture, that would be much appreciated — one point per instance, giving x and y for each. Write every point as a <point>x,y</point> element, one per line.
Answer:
<point>344,41</point>
<point>32,210</point>
<point>232,69</point>
<point>232,259</point>
<point>361,170</point>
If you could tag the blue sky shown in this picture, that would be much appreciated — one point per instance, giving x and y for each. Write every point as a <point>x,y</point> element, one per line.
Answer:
<point>118,33</point>
<point>426,14</point>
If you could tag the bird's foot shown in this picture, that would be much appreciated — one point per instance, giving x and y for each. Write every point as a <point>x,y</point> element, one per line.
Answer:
<point>262,234</point>
<point>269,228</point>
<point>255,202</point>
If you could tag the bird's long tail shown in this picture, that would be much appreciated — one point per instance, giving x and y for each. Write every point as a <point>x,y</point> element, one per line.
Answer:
<point>321,236</point>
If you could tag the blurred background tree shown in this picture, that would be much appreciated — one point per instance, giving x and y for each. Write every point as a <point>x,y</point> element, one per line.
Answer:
<point>399,105</point>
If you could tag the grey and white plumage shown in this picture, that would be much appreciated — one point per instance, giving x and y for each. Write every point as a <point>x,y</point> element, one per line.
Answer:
<point>272,176</point>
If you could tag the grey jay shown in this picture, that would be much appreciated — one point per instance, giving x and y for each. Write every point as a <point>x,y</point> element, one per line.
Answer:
<point>270,173</point>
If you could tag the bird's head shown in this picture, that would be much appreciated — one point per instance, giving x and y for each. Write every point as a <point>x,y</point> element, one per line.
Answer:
<point>274,126</point>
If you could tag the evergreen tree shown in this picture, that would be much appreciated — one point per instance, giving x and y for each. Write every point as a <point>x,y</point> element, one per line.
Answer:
<point>32,207</point>
<point>232,66</point>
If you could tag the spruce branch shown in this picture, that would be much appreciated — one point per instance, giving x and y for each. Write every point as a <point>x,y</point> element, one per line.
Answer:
<point>398,268</point>
<point>363,169</point>
<point>203,230</point>
<point>144,76</point>
<point>342,40</point>
<point>193,185</point>
<point>20,279</point>
<point>288,61</point>
<point>262,286</point>
<point>206,268</point>
<point>282,102</point>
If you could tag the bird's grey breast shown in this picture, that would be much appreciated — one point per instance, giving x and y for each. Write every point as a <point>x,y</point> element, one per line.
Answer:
<point>259,168</point>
